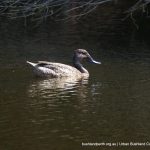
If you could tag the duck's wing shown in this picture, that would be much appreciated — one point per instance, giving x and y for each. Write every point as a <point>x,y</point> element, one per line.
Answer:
<point>59,69</point>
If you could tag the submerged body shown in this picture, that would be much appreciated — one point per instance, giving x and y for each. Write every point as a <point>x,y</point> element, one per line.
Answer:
<point>57,70</point>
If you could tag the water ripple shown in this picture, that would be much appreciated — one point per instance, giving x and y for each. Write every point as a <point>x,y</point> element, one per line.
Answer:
<point>55,87</point>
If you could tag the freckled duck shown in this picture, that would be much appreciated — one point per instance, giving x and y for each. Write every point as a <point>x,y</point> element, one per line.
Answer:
<point>56,70</point>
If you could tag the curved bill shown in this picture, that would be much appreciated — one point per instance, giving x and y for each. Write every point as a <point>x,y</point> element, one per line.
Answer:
<point>91,60</point>
<point>96,62</point>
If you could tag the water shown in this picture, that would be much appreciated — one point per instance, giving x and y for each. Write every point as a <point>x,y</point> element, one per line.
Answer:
<point>41,114</point>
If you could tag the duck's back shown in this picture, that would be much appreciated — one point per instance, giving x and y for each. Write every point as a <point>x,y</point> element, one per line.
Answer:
<point>53,69</point>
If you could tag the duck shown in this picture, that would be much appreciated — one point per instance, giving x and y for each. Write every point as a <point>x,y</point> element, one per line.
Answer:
<point>58,70</point>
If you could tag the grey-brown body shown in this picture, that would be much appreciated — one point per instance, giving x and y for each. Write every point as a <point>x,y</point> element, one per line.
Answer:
<point>57,70</point>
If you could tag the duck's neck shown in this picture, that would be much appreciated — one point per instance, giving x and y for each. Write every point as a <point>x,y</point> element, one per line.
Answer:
<point>79,66</point>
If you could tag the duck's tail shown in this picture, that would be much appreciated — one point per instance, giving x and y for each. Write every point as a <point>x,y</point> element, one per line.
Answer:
<point>32,64</point>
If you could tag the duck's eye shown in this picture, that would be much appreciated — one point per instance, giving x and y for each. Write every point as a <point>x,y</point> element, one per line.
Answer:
<point>83,53</point>
<point>80,52</point>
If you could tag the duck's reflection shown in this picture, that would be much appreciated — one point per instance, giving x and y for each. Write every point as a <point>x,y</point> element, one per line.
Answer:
<point>58,86</point>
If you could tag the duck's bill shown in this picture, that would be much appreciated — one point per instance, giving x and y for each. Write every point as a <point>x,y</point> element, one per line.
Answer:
<point>96,62</point>
<point>91,60</point>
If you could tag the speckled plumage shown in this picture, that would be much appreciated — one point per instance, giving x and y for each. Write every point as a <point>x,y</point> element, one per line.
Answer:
<point>57,70</point>
<point>53,69</point>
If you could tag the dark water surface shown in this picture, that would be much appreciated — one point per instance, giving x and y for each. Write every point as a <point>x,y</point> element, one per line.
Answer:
<point>113,105</point>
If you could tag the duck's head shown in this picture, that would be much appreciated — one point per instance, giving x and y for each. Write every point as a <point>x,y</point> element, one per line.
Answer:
<point>81,54</point>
